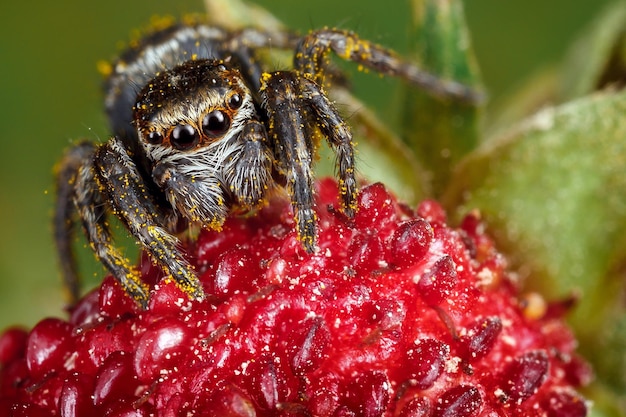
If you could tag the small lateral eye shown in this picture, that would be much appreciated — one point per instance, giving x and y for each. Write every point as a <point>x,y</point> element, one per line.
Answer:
<point>184,137</point>
<point>154,138</point>
<point>234,101</point>
<point>216,123</point>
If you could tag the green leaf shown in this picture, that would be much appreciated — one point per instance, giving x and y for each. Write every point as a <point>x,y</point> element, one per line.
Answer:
<point>597,58</point>
<point>553,193</point>
<point>609,355</point>
<point>440,131</point>
<point>534,93</point>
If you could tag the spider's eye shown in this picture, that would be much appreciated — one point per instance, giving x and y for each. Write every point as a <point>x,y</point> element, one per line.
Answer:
<point>184,137</point>
<point>155,138</point>
<point>234,102</point>
<point>215,123</point>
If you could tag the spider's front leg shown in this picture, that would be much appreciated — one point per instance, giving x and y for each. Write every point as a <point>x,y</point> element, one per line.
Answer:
<point>311,58</point>
<point>80,192</point>
<point>68,192</point>
<point>299,113</point>
<point>131,202</point>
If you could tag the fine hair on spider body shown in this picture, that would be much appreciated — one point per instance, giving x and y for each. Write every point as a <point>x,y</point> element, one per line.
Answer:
<point>200,126</point>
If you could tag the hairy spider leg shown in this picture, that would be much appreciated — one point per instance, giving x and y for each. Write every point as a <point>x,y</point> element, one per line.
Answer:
<point>78,183</point>
<point>339,136</point>
<point>131,201</point>
<point>65,213</point>
<point>312,58</point>
<point>298,112</point>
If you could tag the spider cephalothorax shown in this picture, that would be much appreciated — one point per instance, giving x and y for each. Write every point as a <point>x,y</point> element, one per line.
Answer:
<point>200,131</point>
<point>200,127</point>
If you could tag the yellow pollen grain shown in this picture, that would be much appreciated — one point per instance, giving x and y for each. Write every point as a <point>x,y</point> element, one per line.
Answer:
<point>104,68</point>
<point>534,306</point>
<point>351,45</point>
<point>161,22</point>
<point>265,77</point>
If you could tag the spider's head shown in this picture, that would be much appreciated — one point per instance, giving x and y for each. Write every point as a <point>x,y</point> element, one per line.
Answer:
<point>189,121</point>
<point>190,107</point>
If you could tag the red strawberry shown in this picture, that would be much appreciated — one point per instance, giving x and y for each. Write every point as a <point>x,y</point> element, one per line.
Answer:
<point>396,314</point>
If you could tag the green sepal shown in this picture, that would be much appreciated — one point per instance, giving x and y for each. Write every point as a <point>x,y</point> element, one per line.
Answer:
<point>552,191</point>
<point>440,131</point>
<point>598,58</point>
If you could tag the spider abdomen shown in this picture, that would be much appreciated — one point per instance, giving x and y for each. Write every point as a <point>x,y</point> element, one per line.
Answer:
<point>153,54</point>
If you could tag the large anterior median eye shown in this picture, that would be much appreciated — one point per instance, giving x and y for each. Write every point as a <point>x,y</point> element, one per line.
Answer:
<point>184,137</point>
<point>215,124</point>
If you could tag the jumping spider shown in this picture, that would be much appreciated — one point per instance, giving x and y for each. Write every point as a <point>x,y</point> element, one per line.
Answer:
<point>201,126</point>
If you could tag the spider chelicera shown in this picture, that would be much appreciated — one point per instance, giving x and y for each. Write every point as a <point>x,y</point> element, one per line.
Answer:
<point>200,126</point>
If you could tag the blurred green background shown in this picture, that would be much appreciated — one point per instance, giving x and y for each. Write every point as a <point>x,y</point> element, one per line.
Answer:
<point>50,92</point>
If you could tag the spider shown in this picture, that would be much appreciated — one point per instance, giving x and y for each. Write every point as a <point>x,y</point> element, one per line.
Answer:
<point>199,127</point>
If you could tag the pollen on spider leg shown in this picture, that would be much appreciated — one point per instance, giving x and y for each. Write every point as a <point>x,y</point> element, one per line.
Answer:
<point>349,46</point>
<point>348,188</point>
<point>132,283</point>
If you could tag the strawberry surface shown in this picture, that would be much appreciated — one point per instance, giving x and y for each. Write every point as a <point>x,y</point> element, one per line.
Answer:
<point>395,314</point>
